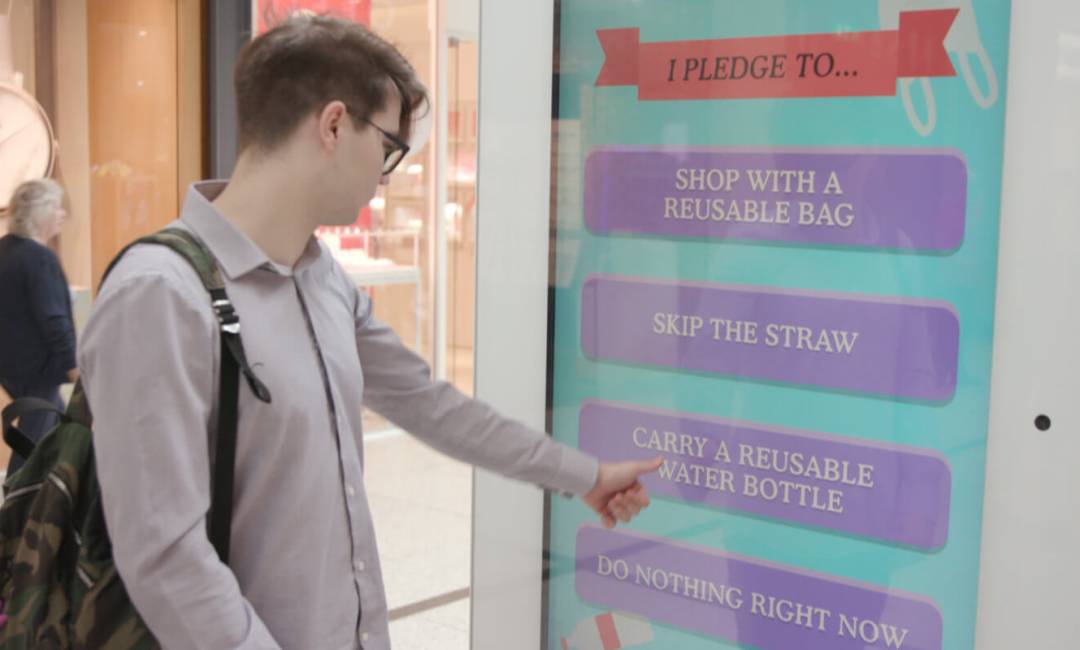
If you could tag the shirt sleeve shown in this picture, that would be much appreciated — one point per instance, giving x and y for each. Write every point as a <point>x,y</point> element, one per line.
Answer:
<point>50,306</point>
<point>398,386</point>
<point>149,363</point>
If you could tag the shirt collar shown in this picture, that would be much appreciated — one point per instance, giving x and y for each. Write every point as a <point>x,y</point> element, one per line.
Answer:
<point>236,254</point>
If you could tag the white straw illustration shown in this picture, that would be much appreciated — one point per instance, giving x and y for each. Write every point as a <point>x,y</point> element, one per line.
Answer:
<point>610,631</point>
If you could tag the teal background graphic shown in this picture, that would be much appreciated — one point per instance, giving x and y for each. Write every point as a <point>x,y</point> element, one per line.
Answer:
<point>588,117</point>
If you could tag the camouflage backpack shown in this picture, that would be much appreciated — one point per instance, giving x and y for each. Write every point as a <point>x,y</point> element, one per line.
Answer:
<point>58,583</point>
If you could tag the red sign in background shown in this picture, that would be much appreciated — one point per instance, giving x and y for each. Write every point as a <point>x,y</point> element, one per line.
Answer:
<point>812,65</point>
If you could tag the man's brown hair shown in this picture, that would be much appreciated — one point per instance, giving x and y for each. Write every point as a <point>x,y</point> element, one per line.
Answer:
<point>306,62</point>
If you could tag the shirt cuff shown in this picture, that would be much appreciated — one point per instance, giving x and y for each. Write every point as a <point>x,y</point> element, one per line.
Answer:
<point>577,473</point>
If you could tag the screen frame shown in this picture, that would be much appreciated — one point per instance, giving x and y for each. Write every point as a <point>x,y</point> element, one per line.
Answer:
<point>1027,502</point>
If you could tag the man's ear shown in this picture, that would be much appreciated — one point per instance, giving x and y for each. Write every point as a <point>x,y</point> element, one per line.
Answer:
<point>329,123</point>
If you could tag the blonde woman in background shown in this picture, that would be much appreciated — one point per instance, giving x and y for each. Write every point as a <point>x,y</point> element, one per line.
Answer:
<point>37,332</point>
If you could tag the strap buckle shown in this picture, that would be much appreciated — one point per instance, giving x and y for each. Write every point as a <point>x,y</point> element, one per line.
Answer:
<point>226,315</point>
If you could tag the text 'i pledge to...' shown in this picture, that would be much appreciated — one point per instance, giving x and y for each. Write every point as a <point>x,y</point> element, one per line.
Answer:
<point>901,199</point>
<point>847,64</point>
<point>886,346</point>
<point>747,601</point>
<point>885,492</point>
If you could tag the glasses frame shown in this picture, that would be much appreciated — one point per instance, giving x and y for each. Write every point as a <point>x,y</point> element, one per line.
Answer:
<point>399,144</point>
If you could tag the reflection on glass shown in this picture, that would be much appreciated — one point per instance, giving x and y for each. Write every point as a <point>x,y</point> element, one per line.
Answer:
<point>459,214</point>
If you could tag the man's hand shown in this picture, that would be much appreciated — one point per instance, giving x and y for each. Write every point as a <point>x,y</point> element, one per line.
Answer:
<point>618,495</point>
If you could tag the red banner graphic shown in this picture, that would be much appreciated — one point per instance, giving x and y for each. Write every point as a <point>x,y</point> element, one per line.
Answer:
<point>854,64</point>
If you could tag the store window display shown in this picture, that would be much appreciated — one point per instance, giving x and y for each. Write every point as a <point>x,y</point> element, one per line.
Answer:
<point>106,97</point>
<point>27,142</point>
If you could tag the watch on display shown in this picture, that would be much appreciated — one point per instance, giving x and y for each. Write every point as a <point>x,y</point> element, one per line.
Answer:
<point>27,144</point>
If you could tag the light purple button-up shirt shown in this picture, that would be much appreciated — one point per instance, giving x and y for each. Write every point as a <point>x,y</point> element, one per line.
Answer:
<point>304,571</point>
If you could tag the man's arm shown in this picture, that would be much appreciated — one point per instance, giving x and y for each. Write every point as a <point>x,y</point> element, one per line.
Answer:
<point>149,368</point>
<point>50,308</point>
<point>398,386</point>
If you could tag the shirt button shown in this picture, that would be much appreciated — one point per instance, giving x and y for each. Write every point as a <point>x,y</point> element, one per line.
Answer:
<point>350,490</point>
<point>364,637</point>
<point>359,566</point>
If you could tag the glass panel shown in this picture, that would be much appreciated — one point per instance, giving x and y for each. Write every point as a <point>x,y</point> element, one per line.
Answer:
<point>402,212</point>
<point>460,211</point>
<point>776,230</point>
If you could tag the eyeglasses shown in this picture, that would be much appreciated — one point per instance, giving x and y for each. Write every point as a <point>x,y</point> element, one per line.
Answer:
<point>395,155</point>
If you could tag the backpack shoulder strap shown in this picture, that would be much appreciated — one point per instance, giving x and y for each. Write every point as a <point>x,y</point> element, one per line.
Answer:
<point>17,440</point>
<point>185,244</point>
<point>233,363</point>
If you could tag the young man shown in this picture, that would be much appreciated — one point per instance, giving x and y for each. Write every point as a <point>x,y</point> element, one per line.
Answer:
<point>325,107</point>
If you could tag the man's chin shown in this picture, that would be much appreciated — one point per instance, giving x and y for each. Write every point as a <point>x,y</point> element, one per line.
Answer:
<point>337,221</point>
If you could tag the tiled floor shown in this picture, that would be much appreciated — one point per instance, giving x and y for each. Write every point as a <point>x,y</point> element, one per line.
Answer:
<point>422,505</point>
<point>444,628</point>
